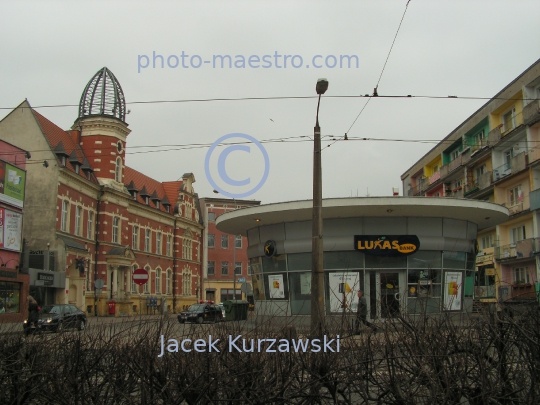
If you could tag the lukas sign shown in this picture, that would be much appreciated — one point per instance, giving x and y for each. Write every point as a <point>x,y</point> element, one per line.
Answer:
<point>386,245</point>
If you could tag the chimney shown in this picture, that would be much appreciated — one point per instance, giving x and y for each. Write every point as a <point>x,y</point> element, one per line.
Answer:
<point>395,191</point>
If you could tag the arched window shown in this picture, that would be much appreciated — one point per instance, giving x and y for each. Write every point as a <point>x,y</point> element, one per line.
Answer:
<point>147,285</point>
<point>186,281</point>
<point>158,281</point>
<point>169,282</point>
<point>118,172</point>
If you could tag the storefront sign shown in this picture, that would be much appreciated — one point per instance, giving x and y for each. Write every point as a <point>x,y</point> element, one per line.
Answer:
<point>12,181</point>
<point>387,245</point>
<point>269,248</point>
<point>48,279</point>
<point>10,229</point>
<point>484,259</point>
<point>8,274</point>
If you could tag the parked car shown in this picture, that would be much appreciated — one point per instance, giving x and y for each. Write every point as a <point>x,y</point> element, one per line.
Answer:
<point>57,318</point>
<point>205,311</point>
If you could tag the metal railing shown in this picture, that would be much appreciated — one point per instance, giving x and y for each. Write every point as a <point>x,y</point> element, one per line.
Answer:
<point>520,249</point>
<point>520,204</point>
<point>516,164</point>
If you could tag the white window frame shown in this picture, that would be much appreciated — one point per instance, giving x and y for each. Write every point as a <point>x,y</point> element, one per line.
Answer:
<point>168,286</point>
<point>480,139</point>
<point>224,241</point>
<point>520,275</point>
<point>158,243</point>
<point>90,225</point>
<point>78,220</point>
<point>486,241</point>
<point>64,218</point>
<point>506,127</point>
<point>186,283</point>
<point>146,289</point>
<point>238,268</point>
<point>225,265</point>
<point>211,237</point>
<point>158,281</point>
<point>147,237</point>
<point>517,233</point>
<point>169,244</point>
<point>135,237</point>
<point>480,170</point>
<point>116,230</point>
<point>454,154</point>
<point>515,195</point>
<point>213,266</point>
<point>211,217</point>
<point>134,286</point>
<point>238,238</point>
<point>187,249</point>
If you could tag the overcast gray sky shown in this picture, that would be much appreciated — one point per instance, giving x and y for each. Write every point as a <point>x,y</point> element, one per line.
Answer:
<point>50,50</point>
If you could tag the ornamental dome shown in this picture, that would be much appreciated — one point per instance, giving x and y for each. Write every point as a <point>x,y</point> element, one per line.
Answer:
<point>103,96</point>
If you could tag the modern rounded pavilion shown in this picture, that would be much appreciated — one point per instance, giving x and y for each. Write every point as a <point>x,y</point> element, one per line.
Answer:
<point>408,255</point>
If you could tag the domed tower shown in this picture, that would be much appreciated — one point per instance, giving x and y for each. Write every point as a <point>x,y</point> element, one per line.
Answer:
<point>102,127</point>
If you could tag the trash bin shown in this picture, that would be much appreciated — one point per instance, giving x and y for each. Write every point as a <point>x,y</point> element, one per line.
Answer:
<point>236,310</point>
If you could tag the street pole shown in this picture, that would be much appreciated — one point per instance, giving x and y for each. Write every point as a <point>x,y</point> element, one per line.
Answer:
<point>317,274</point>
<point>234,259</point>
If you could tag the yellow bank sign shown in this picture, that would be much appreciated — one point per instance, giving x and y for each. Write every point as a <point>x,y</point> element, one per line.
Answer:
<point>386,245</point>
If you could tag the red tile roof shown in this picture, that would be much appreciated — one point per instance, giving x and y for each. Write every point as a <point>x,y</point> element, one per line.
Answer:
<point>54,135</point>
<point>169,188</point>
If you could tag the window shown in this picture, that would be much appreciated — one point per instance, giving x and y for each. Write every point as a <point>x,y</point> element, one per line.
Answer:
<point>521,275</point>
<point>158,243</point>
<point>508,155</point>
<point>211,241</point>
<point>486,241</point>
<point>133,284</point>
<point>118,171</point>
<point>90,225</point>
<point>135,238</point>
<point>158,281</point>
<point>479,171</point>
<point>64,217</point>
<point>224,268</point>
<point>517,234</point>
<point>480,139</point>
<point>509,120</point>
<point>229,295</point>
<point>115,230</point>
<point>211,216</point>
<point>238,268</point>
<point>515,195</point>
<point>211,268</point>
<point>238,241</point>
<point>168,248</point>
<point>169,284</point>
<point>186,283</point>
<point>147,240</point>
<point>249,269</point>
<point>186,249</point>
<point>78,219</point>
<point>454,154</point>
<point>225,241</point>
<point>146,289</point>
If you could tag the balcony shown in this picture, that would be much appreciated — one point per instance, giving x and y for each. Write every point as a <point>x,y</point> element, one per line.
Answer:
<point>521,249</point>
<point>517,164</point>
<point>494,135</point>
<point>483,181</point>
<point>523,291</point>
<point>454,164</point>
<point>531,112</point>
<point>421,185</point>
<point>534,197</point>
<point>435,177</point>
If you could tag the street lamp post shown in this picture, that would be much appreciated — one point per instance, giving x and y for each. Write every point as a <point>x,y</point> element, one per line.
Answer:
<point>317,275</point>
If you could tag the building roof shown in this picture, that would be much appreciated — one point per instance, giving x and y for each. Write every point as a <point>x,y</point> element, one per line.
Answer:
<point>61,141</point>
<point>153,187</point>
<point>103,96</point>
<point>484,214</point>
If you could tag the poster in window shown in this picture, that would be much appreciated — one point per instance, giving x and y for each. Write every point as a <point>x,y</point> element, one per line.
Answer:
<point>453,283</point>
<point>10,230</point>
<point>343,291</point>
<point>305,283</point>
<point>276,287</point>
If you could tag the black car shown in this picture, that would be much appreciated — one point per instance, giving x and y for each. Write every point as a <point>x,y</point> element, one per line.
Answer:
<point>57,318</point>
<point>202,312</point>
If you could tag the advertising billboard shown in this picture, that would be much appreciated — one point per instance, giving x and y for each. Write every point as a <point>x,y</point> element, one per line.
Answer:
<point>12,182</point>
<point>10,230</point>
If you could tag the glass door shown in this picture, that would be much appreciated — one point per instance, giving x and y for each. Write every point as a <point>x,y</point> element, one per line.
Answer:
<point>389,289</point>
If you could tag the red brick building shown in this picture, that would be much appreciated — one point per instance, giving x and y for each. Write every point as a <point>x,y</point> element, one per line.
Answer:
<point>225,256</point>
<point>13,281</point>
<point>95,218</point>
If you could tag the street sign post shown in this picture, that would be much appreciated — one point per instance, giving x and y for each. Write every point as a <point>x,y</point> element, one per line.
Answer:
<point>140,277</point>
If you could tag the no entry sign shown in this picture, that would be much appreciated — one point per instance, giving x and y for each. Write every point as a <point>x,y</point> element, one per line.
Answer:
<point>140,276</point>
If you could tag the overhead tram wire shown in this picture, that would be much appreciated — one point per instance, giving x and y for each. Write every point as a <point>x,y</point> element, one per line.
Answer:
<point>375,90</point>
<point>405,96</point>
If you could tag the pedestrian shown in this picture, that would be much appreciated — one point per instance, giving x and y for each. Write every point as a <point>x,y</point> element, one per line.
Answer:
<point>361,314</point>
<point>33,312</point>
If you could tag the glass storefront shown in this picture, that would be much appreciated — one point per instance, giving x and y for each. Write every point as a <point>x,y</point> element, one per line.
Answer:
<point>10,297</point>
<point>423,282</point>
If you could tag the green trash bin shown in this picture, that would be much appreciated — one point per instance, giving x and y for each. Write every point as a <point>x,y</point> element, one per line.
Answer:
<point>236,310</point>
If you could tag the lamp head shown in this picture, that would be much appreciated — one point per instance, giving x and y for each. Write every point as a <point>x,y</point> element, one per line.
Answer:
<point>322,86</point>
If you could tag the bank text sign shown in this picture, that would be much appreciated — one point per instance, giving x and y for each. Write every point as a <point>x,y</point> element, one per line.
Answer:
<point>386,245</point>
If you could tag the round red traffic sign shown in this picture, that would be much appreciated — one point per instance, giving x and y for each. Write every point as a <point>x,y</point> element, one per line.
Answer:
<point>140,276</point>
